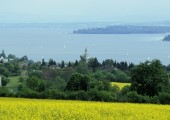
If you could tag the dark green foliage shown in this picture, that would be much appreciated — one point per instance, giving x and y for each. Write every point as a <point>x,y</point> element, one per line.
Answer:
<point>54,94</point>
<point>149,78</point>
<point>3,54</point>
<point>78,82</point>
<point>51,62</point>
<point>49,74</point>
<point>66,73</point>
<point>58,84</point>
<point>36,84</point>
<point>111,77</point>
<point>102,96</point>
<point>69,64</point>
<point>94,64</point>
<point>10,56</point>
<point>88,79</point>
<point>35,73</point>
<point>4,71</point>
<point>121,76</point>
<point>5,92</point>
<point>43,62</point>
<point>125,90</point>
<point>164,98</point>
<point>108,64</point>
<point>17,70</point>
<point>4,80</point>
<point>62,64</point>
<point>24,58</point>
<point>136,98</point>
<point>82,68</point>
<point>76,63</point>
<point>99,76</point>
<point>27,93</point>
<point>78,95</point>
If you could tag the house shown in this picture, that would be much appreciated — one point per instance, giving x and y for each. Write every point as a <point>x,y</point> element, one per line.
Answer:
<point>3,60</point>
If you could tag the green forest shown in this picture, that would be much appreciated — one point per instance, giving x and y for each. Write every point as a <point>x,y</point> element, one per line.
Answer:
<point>84,79</point>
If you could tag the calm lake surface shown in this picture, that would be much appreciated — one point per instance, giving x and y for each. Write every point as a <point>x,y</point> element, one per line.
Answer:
<point>60,44</point>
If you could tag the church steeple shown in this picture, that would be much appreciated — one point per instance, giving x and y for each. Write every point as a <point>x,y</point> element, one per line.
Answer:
<point>84,57</point>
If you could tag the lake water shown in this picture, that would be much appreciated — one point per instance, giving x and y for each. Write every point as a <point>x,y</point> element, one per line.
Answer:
<point>60,44</point>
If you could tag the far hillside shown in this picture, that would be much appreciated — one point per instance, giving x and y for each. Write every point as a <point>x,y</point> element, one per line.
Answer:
<point>166,38</point>
<point>125,29</point>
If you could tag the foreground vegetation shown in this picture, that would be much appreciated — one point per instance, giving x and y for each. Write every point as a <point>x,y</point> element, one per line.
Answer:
<point>85,79</point>
<point>32,109</point>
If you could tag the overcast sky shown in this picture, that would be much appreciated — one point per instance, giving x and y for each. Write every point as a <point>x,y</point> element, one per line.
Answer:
<point>83,10</point>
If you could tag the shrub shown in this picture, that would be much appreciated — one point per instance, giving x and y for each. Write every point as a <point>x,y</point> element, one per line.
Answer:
<point>78,95</point>
<point>136,98</point>
<point>102,96</point>
<point>164,98</point>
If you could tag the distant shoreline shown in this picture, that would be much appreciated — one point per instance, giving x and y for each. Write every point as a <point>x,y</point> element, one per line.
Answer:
<point>166,38</point>
<point>127,29</point>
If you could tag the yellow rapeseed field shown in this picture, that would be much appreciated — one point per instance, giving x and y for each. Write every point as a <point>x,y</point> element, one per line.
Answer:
<point>120,85</point>
<point>33,109</point>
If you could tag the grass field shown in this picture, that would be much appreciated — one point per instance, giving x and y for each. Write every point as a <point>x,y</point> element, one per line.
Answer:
<point>13,83</point>
<point>120,85</point>
<point>32,109</point>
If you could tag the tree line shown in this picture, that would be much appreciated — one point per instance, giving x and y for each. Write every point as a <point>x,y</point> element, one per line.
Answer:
<point>88,79</point>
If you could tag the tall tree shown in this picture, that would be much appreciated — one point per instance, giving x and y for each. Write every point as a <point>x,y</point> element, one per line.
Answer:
<point>94,63</point>
<point>62,64</point>
<point>43,62</point>
<point>3,54</point>
<point>149,78</point>
<point>78,82</point>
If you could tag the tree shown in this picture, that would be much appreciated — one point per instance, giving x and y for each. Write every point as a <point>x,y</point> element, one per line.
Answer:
<point>43,62</point>
<point>51,62</point>
<point>17,69</point>
<point>4,71</point>
<point>24,58</point>
<point>4,81</point>
<point>3,54</point>
<point>149,78</point>
<point>69,64</point>
<point>35,83</point>
<point>10,56</point>
<point>82,68</point>
<point>93,63</point>
<point>76,63</point>
<point>78,82</point>
<point>62,64</point>
<point>107,64</point>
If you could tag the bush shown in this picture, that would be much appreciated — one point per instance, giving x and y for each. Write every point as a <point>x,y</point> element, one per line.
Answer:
<point>78,95</point>
<point>125,90</point>
<point>134,97</point>
<point>54,94</point>
<point>4,92</point>
<point>27,93</point>
<point>164,98</point>
<point>5,81</point>
<point>78,82</point>
<point>102,96</point>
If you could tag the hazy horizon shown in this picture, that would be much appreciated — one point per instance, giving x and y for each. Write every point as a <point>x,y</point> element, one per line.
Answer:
<point>57,11</point>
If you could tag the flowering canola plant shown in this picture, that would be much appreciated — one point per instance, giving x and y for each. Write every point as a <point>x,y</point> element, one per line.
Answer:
<point>37,109</point>
<point>120,85</point>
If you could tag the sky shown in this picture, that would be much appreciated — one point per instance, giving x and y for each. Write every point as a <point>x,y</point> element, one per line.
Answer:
<point>42,11</point>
